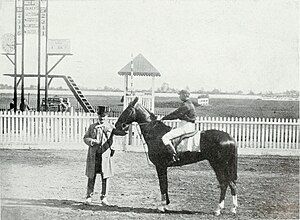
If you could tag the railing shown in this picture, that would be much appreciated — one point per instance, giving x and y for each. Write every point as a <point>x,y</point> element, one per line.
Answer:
<point>145,100</point>
<point>45,128</point>
<point>253,135</point>
<point>55,128</point>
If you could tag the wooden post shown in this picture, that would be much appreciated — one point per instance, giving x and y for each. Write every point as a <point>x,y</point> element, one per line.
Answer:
<point>23,51</point>
<point>125,91</point>
<point>152,94</point>
<point>131,75</point>
<point>46,59</point>
<point>16,54</point>
<point>38,104</point>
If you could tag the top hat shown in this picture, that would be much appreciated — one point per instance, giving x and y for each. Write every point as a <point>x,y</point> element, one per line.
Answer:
<point>102,110</point>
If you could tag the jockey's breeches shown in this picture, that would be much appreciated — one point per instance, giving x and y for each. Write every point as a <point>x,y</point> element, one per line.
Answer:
<point>184,127</point>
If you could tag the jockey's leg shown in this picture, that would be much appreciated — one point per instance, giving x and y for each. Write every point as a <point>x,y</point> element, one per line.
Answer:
<point>174,133</point>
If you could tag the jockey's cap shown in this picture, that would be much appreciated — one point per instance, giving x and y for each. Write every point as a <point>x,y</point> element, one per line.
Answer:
<point>184,91</point>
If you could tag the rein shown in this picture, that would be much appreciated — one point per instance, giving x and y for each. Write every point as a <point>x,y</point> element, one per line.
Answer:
<point>140,131</point>
<point>144,143</point>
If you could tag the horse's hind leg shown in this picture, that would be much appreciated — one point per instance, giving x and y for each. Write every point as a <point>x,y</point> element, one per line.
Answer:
<point>220,170</point>
<point>221,205</point>
<point>232,186</point>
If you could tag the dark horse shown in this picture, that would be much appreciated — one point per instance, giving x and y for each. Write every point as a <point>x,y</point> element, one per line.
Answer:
<point>218,147</point>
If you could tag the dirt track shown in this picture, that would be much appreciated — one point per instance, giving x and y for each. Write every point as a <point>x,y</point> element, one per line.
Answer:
<point>41,184</point>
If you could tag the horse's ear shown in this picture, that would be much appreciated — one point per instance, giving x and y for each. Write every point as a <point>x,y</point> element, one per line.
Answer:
<point>134,101</point>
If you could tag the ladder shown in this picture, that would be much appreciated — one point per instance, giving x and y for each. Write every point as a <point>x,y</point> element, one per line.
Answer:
<point>78,95</point>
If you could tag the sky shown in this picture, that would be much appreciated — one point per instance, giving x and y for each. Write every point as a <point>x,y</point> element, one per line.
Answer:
<point>230,45</point>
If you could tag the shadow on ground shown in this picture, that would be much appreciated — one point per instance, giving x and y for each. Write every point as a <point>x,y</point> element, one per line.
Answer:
<point>75,205</point>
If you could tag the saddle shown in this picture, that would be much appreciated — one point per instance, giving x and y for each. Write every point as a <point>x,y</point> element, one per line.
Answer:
<point>179,140</point>
<point>188,135</point>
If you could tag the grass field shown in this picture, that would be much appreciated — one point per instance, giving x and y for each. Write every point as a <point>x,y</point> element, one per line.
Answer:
<point>217,107</point>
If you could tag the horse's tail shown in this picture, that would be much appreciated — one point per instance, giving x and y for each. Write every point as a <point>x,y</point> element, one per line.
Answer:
<point>233,161</point>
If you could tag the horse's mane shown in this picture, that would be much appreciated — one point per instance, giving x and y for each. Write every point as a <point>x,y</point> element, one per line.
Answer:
<point>158,128</point>
<point>145,111</point>
<point>155,127</point>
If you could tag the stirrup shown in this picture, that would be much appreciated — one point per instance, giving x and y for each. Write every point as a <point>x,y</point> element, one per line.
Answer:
<point>174,159</point>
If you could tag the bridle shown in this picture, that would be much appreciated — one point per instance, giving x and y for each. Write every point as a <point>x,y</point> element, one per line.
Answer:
<point>126,125</point>
<point>133,112</point>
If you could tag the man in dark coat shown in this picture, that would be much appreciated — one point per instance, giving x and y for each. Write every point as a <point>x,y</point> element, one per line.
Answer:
<point>99,139</point>
<point>24,106</point>
<point>12,105</point>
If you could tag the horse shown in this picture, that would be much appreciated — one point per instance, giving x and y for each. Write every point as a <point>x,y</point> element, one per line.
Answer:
<point>218,147</point>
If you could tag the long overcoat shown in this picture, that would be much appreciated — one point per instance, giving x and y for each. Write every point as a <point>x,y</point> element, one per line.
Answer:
<point>105,148</point>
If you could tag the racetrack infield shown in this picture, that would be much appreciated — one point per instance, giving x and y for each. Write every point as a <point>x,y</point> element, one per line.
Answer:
<point>50,184</point>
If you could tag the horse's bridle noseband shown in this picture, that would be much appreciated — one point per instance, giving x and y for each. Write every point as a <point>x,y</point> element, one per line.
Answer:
<point>125,125</point>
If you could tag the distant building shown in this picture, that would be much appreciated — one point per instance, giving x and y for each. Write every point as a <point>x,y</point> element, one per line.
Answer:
<point>203,100</point>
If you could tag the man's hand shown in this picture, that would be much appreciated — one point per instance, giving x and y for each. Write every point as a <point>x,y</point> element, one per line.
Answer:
<point>95,142</point>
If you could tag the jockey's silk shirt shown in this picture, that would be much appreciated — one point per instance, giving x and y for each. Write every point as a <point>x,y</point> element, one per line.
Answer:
<point>185,112</point>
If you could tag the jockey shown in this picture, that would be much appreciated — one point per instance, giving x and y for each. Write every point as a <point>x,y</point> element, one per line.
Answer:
<point>187,115</point>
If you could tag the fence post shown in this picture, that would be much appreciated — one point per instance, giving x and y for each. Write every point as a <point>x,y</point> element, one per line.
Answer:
<point>263,133</point>
<point>251,133</point>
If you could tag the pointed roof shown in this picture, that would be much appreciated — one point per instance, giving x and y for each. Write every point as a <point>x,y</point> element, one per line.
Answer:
<point>141,67</point>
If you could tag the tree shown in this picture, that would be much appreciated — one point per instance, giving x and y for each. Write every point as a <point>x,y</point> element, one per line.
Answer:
<point>164,87</point>
<point>215,91</point>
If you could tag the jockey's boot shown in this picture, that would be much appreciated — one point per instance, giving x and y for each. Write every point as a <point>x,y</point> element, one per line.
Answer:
<point>172,150</point>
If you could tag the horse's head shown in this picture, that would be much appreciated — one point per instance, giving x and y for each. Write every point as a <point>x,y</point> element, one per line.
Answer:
<point>135,112</point>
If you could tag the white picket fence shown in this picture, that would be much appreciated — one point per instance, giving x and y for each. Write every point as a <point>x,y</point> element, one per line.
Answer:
<point>65,130</point>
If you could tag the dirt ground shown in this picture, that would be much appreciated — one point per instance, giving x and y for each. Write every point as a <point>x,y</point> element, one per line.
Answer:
<point>50,184</point>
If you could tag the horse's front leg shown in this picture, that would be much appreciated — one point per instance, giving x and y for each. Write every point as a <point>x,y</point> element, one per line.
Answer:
<point>163,184</point>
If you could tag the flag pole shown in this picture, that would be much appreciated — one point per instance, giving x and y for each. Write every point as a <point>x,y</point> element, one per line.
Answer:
<point>131,74</point>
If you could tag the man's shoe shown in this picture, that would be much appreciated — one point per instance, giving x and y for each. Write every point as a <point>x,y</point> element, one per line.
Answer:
<point>88,200</point>
<point>104,202</point>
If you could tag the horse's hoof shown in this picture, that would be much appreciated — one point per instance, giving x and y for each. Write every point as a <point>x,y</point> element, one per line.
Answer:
<point>161,208</point>
<point>170,207</point>
<point>217,212</point>
<point>233,210</point>
<point>88,201</point>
